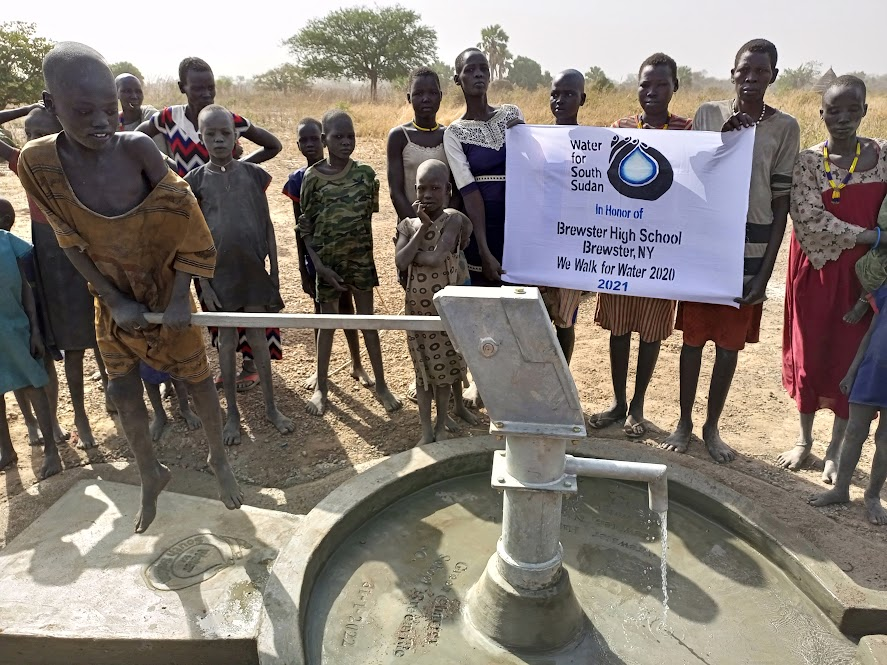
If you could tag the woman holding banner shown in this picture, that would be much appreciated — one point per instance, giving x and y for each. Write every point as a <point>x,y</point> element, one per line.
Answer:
<point>837,190</point>
<point>475,147</point>
<point>651,318</point>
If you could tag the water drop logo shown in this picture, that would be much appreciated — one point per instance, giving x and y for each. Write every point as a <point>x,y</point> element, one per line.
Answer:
<point>637,170</point>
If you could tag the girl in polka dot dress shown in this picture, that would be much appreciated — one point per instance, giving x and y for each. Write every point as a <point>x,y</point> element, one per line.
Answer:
<point>428,248</point>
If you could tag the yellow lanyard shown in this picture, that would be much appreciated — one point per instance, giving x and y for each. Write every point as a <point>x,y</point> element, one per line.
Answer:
<point>836,188</point>
<point>665,126</point>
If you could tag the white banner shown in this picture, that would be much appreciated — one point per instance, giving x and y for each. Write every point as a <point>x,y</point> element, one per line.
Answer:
<point>629,211</point>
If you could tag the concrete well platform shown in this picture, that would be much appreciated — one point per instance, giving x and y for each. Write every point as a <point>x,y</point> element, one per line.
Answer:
<point>79,587</point>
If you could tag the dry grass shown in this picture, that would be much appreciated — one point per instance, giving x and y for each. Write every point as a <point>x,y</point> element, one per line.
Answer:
<point>280,113</point>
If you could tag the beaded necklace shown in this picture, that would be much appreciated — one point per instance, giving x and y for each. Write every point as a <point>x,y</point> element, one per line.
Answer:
<point>665,126</point>
<point>837,187</point>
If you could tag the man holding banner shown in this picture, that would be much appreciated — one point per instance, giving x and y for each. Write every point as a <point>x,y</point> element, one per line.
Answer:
<point>660,215</point>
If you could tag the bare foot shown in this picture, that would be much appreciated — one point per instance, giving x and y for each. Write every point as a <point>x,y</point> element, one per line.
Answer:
<point>158,424</point>
<point>283,424</point>
<point>191,419</point>
<point>828,498</point>
<point>793,458</point>
<point>875,511</point>
<point>316,406</point>
<point>152,486</point>
<point>360,374</point>
<point>84,434</point>
<point>440,432</point>
<point>471,397</point>
<point>451,425</point>
<point>829,472</point>
<point>679,440</point>
<point>388,400</point>
<point>7,459</point>
<point>857,312</point>
<point>60,434</point>
<point>231,431</point>
<point>720,452</point>
<point>52,464</point>
<point>311,382</point>
<point>461,412</point>
<point>427,436</point>
<point>229,490</point>
<point>35,436</point>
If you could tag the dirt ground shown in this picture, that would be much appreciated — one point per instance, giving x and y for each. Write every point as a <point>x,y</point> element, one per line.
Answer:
<point>759,420</point>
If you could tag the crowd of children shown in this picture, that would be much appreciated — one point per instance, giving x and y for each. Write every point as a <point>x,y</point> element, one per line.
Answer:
<point>139,225</point>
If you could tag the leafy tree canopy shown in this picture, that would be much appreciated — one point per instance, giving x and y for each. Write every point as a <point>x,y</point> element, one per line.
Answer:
<point>285,78</point>
<point>361,43</point>
<point>596,79</point>
<point>126,67</point>
<point>494,44</point>
<point>21,63</point>
<point>527,73</point>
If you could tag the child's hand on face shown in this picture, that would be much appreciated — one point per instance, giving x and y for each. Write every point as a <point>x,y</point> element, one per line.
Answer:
<point>421,214</point>
<point>129,315</point>
<point>209,297</point>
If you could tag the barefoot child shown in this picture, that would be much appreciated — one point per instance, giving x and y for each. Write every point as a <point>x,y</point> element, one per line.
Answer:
<point>232,197</point>
<point>838,187</point>
<point>177,125</point>
<point>428,250</point>
<point>651,318</point>
<point>21,365</point>
<point>35,435</point>
<point>153,380</point>
<point>67,309</point>
<point>777,140</point>
<point>866,384</point>
<point>338,199</point>
<point>135,232</point>
<point>309,133</point>
<point>567,96</point>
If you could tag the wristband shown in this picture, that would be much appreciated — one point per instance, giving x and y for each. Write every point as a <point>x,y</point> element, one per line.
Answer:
<point>878,241</point>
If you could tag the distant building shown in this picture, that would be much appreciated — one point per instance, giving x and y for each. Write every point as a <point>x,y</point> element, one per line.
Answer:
<point>825,81</point>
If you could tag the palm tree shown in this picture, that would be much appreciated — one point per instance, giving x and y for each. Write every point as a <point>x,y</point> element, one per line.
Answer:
<point>494,44</point>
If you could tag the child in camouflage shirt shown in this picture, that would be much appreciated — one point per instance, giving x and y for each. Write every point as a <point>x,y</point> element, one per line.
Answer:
<point>338,199</point>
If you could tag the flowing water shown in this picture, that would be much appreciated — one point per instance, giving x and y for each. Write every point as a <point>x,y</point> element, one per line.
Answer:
<point>663,564</point>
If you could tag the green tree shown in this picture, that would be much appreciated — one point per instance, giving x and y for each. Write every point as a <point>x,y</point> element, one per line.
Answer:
<point>286,78</point>
<point>799,78</point>
<point>445,72</point>
<point>494,44</point>
<point>126,67</point>
<point>363,43</point>
<point>685,77</point>
<point>21,55</point>
<point>527,73</point>
<point>596,79</point>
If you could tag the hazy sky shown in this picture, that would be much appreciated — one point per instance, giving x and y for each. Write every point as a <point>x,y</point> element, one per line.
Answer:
<point>570,33</point>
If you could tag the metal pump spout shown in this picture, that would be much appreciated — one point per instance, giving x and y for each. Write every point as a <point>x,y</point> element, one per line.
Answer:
<point>655,475</point>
